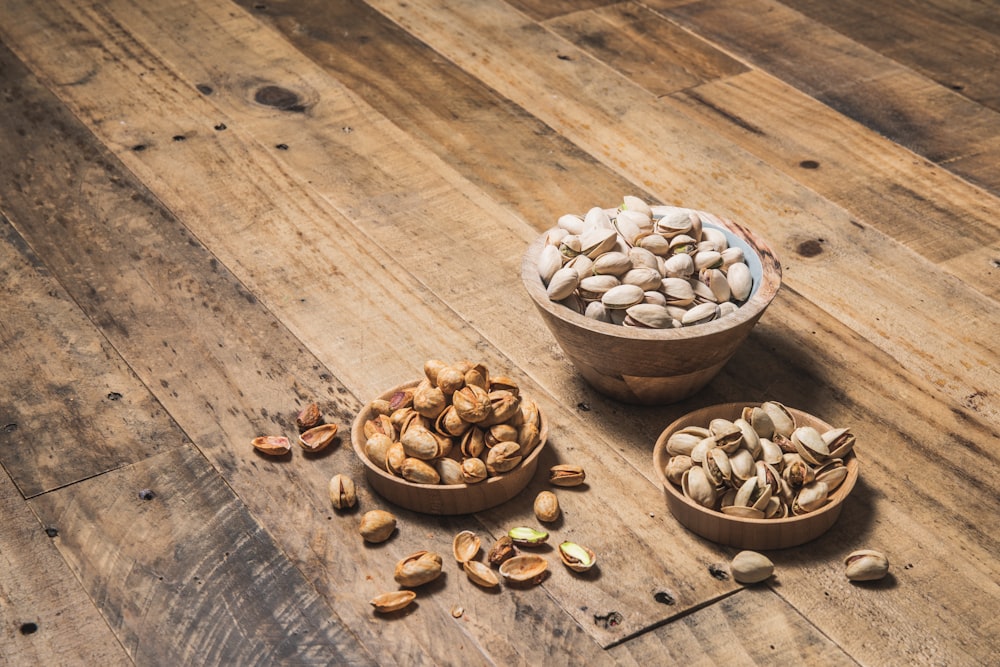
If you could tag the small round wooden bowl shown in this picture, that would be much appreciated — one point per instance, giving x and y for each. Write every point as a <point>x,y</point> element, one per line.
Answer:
<point>758,534</point>
<point>444,498</point>
<point>657,366</point>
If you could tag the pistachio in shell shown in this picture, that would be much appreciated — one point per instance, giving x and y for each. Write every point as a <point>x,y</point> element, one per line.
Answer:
<point>343,493</point>
<point>547,507</point>
<point>866,565</point>
<point>566,475</point>
<point>750,567</point>
<point>418,569</point>
<point>376,526</point>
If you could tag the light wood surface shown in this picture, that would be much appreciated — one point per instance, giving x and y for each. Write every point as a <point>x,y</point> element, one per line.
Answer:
<point>213,213</point>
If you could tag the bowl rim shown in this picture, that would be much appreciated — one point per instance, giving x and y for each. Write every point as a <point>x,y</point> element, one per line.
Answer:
<point>839,495</point>
<point>358,443</point>
<point>762,295</point>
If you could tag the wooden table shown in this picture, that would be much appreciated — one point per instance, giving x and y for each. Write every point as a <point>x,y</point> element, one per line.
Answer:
<point>214,213</point>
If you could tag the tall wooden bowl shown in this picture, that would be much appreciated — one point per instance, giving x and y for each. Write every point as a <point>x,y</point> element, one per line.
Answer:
<point>657,366</point>
<point>446,499</point>
<point>758,534</point>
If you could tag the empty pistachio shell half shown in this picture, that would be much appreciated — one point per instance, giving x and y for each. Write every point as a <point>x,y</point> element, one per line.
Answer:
<point>750,567</point>
<point>866,565</point>
<point>275,445</point>
<point>394,601</point>
<point>318,437</point>
<point>480,574</point>
<point>465,546</point>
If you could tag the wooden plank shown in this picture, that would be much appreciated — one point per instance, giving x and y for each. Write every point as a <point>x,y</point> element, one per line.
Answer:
<point>951,44</point>
<point>547,9</point>
<point>774,634</point>
<point>441,106</point>
<point>241,401</point>
<point>932,120</point>
<point>166,549</point>
<point>45,616</point>
<point>68,376</point>
<point>655,53</point>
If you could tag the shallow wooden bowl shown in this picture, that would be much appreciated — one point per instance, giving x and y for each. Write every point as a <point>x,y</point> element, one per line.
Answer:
<point>657,366</point>
<point>759,534</point>
<point>444,498</point>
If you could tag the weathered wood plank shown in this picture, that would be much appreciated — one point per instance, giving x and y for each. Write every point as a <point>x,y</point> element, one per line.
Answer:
<point>932,120</point>
<point>546,9</point>
<point>950,44</point>
<point>773,633</point>
<point>46,618</point>
<point>442,106</point>
<point>655,53</point>
<point>166,550</point>
<point>68,376</point>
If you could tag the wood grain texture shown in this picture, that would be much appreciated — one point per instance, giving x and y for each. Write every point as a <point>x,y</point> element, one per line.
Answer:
<point>46,617</point>
<point>273,204</point>
<point>921,115</point>
<point>174,589</point>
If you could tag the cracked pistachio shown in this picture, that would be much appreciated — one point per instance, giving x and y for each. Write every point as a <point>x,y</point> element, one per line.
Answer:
<point>576,556</point>
<point>526,536</point>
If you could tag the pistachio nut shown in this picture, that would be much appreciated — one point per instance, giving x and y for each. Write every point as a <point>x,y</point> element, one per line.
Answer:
<point>503,457</point>
<point>676,467</point>
<point>429,400</point>
<point>376,526</point>
<point>418,471</point>
<point>547,507</point>
<point>501,550</point>
<point>449,471</point>
<point>750,567</point>
<point>473,470</point>
<point>566,475</point>
<point>418,568</point>
<point>576,556</point>
<point>866,565</point>
<point>308,417</point>
<point>472,403</point>
<point>343,493</point>
<point>377,447</point>
<point>527,536</point>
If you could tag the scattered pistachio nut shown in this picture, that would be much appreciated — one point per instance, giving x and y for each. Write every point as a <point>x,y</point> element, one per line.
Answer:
<point>343,493</point>
<point>376,526</point>
<point>866,565</point>
<point>524,569</point>
<point>480,574</point>
<point>566,475</point>
<point>308,417</point>
<point>527,536</point>
<point>418,568</point>
<point>750,567</point>
<point>465,546</point>
<point>394,601</point>
<point>275,445</point>
<point>576,556</point>
<point>547,507</point>
<point>318,438</point>
<point>501,550</point>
